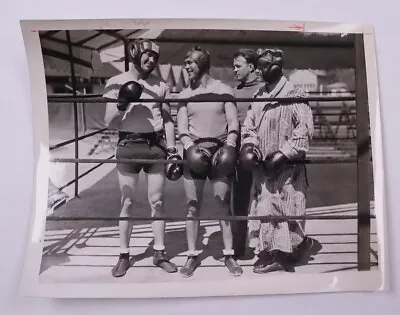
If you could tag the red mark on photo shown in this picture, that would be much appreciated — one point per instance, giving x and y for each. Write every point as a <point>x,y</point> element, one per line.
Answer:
<point>297,27</point>
<point>142,23</point>
<point>33,31</point>
<point>127,24</point>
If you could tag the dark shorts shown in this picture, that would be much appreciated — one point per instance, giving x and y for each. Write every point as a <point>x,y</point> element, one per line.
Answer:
<point>212,145</point>
<point>149,146</point>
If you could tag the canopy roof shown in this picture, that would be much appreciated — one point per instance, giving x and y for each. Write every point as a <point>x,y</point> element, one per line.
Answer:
<point>93,47</point>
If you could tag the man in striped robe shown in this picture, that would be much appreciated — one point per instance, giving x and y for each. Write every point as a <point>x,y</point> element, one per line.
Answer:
<point>282,131</point>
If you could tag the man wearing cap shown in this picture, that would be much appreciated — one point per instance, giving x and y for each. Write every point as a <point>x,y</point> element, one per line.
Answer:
<point>208,130</point>
<point>245,69</point>
<point>281,133</point>
<point>146,131</point>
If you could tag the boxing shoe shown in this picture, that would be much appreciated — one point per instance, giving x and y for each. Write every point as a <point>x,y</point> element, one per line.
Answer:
<point>232,265</point>
<point>190,266</point>
<point>160,260</point>
<point>122,266</point>
<point>272,261</point>
<point>301,251</point>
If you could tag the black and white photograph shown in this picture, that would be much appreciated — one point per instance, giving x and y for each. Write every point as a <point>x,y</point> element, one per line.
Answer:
<point>201,158</point>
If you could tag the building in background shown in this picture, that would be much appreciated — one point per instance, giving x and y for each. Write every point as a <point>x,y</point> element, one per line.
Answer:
<point>309,80</point>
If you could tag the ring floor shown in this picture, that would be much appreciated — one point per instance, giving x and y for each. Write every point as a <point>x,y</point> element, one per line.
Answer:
<point>85,251</point>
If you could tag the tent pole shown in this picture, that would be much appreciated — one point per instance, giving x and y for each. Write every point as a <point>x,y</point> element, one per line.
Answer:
<point>126,51</point>
<point>73,78</point>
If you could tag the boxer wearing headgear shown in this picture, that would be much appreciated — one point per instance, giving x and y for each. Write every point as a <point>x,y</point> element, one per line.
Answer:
<point>140,46</point>
<point>202,58</point>
<point>146,131</point>
<point>208,131</point>
<point>279,132</point>
<point>270,63</point>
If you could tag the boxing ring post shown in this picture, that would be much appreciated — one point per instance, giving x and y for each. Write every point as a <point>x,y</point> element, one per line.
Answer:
<point>363,159</point>
<point>126,52</point>
<point>73,79</point>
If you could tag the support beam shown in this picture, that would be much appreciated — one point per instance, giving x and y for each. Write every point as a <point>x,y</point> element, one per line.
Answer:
<point>66,57</point>
<point>113,33</point>
<point>61,41</point>
<point>126,52</point>
<point>49,34</point>
<point>116,41</point>
<point>87,39</point>
<point>75,112</point>
<point>266,42</point>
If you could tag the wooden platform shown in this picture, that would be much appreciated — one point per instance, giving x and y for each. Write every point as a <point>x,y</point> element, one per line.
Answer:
<point>88,254</point>
<point>85,251</point>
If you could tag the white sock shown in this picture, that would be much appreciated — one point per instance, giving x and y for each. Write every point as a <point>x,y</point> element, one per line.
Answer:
<point>159,247</point>
<point>194,252</point>
<point>124,250</point>
<point>228,252</point>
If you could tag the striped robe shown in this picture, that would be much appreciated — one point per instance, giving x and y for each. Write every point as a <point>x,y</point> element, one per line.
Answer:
<point>287,127</point>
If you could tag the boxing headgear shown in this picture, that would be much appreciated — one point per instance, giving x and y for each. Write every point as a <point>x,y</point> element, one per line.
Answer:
<point>270,63</point>
<point>140,46</point>
<point>201,57</point>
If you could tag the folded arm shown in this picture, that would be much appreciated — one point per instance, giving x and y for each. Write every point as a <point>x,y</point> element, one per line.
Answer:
<point>299,141</point>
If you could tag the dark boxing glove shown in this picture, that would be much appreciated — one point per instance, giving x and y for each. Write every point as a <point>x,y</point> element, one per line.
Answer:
<point>129,92</point>
<point>249,156</point>
<point>173,171</point>
<point>224,161</point>
<point>274,163</point>
<point>198,159</point>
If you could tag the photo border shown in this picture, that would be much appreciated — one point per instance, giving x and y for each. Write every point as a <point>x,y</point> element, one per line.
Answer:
<point>374,280</point>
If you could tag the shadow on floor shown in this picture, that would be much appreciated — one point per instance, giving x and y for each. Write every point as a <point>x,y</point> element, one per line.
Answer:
<point>58,253</point>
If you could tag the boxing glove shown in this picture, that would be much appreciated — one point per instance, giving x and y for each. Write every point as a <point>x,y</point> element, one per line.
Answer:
<point>274,163</point>
<point>198,159</point>
<point>224,161</point>
<point>129,92</point>
<point>249,156</point>
<point>174,171</point>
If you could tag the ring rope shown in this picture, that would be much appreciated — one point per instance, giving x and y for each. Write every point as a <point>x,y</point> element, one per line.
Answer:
<point>214,218</point>
<point>200,100</point>
<point>327,160</point>
<point>99,95</point>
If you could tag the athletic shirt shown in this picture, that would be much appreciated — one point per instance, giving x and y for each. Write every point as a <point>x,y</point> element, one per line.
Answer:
<point>139,117</point>
<point>207,119</point>
<point>245,90</point>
